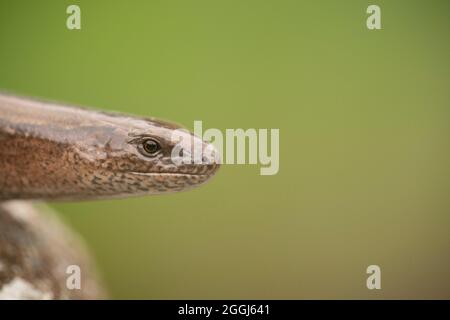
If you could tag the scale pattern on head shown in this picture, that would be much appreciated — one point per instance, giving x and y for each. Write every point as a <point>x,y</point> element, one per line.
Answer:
<point>141,160</point>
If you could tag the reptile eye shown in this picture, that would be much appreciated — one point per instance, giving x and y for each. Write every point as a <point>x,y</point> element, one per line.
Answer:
<point>150,147</point>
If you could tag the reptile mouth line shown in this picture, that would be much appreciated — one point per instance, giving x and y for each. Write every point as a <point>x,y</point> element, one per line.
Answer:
<point>153,174</point>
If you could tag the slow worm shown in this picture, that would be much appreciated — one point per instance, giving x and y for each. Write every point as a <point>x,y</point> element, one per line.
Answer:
<point>56,152</point>
<point>51,151</point>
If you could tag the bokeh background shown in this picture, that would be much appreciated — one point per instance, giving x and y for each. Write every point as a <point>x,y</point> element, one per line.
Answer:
<point>364,119</point>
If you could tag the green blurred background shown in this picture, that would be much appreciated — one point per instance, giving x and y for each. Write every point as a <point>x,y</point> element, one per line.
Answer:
<point>364,124</point>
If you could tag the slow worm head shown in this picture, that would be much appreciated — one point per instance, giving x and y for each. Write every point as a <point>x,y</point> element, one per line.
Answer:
<point>56,152</point>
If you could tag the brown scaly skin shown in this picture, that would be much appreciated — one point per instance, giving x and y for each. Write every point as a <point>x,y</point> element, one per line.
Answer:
<point>54,152</point>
